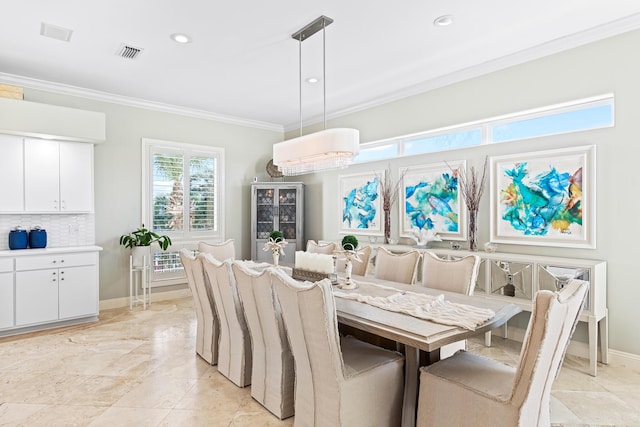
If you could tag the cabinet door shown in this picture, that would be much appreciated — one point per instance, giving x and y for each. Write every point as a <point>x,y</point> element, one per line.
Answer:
<point>6,300</point>
<point>36,296</point>
<point>11,171</point>
<point>76,177</point>
<point>78,292</point>
<point>41,175</point>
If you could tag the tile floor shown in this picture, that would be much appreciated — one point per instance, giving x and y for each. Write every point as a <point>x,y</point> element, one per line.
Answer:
<point>139,368</point>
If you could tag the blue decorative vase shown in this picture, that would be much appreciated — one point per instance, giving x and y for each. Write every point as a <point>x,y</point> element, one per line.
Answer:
<point>18,239</point>
<point>38,238</point>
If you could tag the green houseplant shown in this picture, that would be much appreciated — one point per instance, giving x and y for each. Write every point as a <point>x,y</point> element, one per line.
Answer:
<point>276,235</point>
<point>144,237</point>
<point>349,242</point>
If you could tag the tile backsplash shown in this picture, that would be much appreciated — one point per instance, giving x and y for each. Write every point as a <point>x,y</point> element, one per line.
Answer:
<point>62,229</point>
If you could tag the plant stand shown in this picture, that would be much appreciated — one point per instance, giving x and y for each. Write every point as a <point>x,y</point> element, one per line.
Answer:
<point>138,278</point>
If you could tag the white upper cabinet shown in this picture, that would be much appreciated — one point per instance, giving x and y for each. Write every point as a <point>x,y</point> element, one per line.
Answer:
<point>11,172</point>
<point>58,176</point>
<point>76,177</point>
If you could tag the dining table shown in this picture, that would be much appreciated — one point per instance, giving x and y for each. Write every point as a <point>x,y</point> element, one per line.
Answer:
<point>416,333</point>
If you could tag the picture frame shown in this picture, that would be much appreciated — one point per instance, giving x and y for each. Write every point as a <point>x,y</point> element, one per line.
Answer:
<point>545,198</point>
<point>430,196</point>
<point>361,203</point>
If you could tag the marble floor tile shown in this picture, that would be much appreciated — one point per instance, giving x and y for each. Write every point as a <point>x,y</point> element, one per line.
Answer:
<point>139,368</point>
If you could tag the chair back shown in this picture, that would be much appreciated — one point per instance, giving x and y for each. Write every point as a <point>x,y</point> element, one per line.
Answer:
<point>207,330</point>
<point>359,267</point>
<point>272,374</point>
<point>553,319</point>
<point>453,275</point>
<point>220,251</point>
<point>309,315</point>
<point>234,356</point>
<point>321,248</point>
<point>397,267</point>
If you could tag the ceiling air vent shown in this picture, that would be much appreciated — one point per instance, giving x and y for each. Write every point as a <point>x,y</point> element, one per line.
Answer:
<point>129,52</point>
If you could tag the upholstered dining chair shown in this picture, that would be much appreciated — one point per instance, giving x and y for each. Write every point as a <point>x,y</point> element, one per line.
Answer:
<point>397,267</point>
<point>321,248</point>
<point>359,267</point>
<point>339,381</point>
<point>272,373</point>
<point>471,390</point>
<point>207,328</point>
<point>453,275</point>
<point>234,348</point>
<point>220,251</point>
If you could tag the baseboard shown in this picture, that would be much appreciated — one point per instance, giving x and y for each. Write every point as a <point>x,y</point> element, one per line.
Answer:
<point>108,304</point>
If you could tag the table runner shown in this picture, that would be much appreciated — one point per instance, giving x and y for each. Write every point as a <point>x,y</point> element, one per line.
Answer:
<point>423,306</point>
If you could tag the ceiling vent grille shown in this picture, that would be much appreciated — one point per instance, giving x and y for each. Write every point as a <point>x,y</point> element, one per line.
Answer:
<point>129,52</point>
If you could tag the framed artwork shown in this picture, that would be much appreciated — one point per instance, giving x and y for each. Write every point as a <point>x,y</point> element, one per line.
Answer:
<point>546,198</point>
<point>430,199</point>
<point>361,203</point>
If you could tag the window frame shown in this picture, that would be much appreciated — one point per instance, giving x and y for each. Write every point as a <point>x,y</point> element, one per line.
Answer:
<point>486,126</point>
<point>185,238</point>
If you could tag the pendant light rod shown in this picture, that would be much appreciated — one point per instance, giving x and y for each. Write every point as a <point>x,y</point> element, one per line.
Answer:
<point>301,35</point>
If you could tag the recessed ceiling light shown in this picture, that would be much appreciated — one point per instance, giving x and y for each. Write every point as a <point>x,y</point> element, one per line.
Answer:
<point>313,80</point>
<point>180,38</point>
<point>443,21</point>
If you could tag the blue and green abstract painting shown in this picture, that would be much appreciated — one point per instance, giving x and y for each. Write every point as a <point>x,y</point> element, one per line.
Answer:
<point>359,206</point>
<point>431,202</point>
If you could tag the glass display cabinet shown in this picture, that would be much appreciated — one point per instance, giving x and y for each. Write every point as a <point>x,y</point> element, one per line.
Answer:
<point>277,206</point>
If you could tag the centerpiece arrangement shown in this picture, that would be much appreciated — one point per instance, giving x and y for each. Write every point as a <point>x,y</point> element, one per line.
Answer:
<point>276,245</point>
<point>350,251</point>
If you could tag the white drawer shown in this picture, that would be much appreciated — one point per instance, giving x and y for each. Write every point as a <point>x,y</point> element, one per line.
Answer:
<point>6,265</point>
<point>38,262</point>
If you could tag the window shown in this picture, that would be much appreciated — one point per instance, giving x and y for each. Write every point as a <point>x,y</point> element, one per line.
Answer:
<point>589,116</point>
<point>574,116</point>
<point>182,190</point>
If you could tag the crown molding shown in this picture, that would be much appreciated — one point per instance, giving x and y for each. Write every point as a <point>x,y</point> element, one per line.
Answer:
<point>95,95</point>
<point>592,35</point>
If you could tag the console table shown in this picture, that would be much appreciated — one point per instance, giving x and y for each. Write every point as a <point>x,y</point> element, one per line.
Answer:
<point>517,277</point>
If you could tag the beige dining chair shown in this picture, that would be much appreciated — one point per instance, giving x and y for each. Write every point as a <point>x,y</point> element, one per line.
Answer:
<point>471,390</point>
<point>321,248</point>
<point>359,267</point>
<point>340,381</point>
<point>397,267</point>
<point>220,251</point>
<point>234,348</point>
<point>272,373</point>
<point>207,327</point>
<point>453,275</point>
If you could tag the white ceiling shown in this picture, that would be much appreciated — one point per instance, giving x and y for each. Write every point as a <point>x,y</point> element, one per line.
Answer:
<point>243,63</point>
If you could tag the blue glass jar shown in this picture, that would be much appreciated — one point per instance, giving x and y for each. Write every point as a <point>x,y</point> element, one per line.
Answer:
<point>37,238</point>
<point>18,239</point>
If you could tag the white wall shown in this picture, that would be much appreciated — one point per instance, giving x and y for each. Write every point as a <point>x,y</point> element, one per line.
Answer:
<point>608,66</point>
<point>118,176</point>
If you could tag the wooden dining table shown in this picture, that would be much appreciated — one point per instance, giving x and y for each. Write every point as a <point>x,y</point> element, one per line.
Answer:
<point>415,333</point>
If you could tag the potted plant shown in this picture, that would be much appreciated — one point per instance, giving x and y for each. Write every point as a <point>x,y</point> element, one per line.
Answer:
<point>349,246</point>
<point>276,244</point>
<point>139,240</point>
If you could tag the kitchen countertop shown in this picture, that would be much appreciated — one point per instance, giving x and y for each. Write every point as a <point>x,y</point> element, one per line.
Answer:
<point>47,251</point>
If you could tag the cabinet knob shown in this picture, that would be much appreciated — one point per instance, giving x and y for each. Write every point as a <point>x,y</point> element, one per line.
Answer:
<point>61,260</point>
<point>54,273</point>
<point>54,261</point>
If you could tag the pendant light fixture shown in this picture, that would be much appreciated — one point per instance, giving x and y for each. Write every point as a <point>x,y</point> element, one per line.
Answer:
<point>319,151</point>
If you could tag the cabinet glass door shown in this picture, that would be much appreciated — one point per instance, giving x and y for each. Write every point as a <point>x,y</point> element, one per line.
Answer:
<point>287,212</point>
<point>265,208</point>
